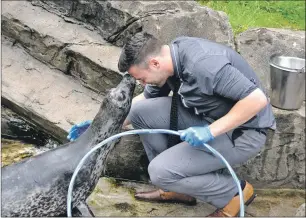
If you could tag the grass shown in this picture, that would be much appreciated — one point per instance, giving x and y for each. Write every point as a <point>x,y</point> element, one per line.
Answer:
<point>244,15</point>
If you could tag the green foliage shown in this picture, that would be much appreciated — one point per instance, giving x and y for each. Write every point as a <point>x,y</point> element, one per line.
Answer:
<point>243,15</point>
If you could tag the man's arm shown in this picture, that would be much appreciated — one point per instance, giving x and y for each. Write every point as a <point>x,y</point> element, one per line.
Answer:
<point>229,83</point>
<point>242,111</point>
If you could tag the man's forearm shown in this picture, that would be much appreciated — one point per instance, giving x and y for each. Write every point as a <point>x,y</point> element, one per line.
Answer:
<point>242,111</point>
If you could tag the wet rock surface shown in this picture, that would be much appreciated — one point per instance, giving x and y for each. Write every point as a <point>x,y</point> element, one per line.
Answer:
<point>301,211</point>
<point>21,139</point>
<point>115,198</point>
<point>16,127</point>
<point>13,151</point>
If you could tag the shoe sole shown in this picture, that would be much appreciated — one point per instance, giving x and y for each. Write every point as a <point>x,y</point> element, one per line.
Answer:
<point>248,202</point>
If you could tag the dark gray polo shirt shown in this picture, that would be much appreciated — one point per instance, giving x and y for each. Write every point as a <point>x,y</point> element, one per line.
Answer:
<point>213,77</point>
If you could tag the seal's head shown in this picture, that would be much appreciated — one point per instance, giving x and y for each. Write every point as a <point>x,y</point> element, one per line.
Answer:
<point>117,102</point>
<point>121,96</point>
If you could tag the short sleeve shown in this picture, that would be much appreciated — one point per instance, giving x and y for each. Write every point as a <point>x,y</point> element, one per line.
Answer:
<point>151,91</point>
<point>205,71</point>
<point>231,83</point>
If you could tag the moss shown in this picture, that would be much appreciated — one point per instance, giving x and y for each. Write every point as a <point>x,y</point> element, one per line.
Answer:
<point>131,191</point>
<point>92,203</point>
<point>281,192</point>
<point>126,207</point>
<point>97,190</point>
<point>13,151</point>
<point>114,182</point>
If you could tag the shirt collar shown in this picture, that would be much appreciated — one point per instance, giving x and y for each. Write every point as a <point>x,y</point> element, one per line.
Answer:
<point>175,60</point>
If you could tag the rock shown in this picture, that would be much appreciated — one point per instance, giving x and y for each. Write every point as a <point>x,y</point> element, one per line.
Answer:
<point>258,45</point>
<point>15,127</point>
<point>13,151</point>
<point>301,211</point>
<point>128,160</point>
<point>115,198</point>
<point>119,20</point>
<point>45,96</point>
<point>69,47</point>
<point>281,163</point>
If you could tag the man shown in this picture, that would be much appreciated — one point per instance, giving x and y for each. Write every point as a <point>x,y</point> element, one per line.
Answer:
<point>220,103</point>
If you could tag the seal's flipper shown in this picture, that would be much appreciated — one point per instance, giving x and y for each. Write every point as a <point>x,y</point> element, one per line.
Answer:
<point>82,210</point>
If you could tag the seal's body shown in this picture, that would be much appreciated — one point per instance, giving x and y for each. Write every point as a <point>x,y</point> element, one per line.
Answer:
<point>38,185</point>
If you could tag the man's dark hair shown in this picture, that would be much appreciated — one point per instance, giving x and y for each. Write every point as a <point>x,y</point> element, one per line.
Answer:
<point>137,49</point>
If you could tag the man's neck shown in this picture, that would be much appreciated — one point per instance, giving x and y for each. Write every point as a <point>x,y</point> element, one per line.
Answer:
<point>166,53</point>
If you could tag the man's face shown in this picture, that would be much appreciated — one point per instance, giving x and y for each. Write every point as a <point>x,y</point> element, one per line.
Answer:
<point>152,73</point>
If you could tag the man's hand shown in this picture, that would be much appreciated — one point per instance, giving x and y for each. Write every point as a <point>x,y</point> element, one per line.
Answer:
<point>196,136</point>
<point>125,124</point>
<point>77,129</point>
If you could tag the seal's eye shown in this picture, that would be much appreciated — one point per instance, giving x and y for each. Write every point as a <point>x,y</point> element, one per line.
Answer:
<point>118,95</point>
<point>121,96</point>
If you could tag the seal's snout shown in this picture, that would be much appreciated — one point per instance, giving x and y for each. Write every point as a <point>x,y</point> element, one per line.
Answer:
<point>127,83</point>
<point>123,93</point>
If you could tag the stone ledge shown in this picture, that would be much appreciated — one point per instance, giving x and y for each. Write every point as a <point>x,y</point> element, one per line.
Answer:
<point>54,100</point>
<point>68,47</point>
<point>115,198</point>
<point>117,21</point>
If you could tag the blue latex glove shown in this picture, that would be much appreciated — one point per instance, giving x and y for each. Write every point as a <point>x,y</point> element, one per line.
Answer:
<point>77,130</point>
<point>197,135</point>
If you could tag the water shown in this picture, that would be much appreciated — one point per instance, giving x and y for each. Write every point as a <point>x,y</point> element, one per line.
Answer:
<point>21,138</point>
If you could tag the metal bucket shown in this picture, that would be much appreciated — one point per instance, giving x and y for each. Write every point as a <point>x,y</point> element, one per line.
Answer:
<point>287,76</point>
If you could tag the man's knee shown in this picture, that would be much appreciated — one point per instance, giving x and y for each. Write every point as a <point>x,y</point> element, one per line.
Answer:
<point>157,173</point>
<point>160,175</point>
<point>150,113</point>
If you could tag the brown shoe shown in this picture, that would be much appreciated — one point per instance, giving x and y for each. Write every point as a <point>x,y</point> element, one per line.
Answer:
<point>233,207</point>
<point>169,197</point>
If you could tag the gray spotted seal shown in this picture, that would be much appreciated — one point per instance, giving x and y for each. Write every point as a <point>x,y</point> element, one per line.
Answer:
<point>38,185</point>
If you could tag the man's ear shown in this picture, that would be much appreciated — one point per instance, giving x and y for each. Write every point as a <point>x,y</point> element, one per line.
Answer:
<point>153,62</point>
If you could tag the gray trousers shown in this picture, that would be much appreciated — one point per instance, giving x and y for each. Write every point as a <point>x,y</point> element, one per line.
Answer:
<point>183,168</point>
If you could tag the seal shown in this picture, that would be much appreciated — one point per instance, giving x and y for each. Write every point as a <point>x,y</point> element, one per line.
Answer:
<point>38,186</point>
